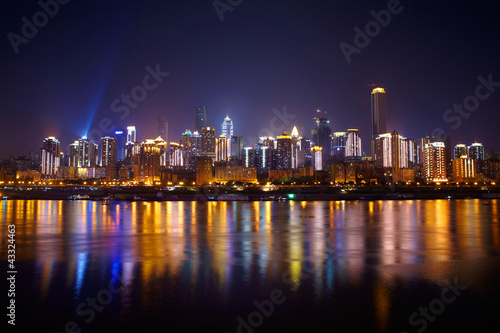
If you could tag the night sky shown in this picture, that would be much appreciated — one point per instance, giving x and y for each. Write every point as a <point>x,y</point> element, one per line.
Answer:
<point>264,55</point>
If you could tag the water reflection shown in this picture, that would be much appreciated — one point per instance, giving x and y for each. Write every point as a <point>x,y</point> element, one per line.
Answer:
<point>206,251</point>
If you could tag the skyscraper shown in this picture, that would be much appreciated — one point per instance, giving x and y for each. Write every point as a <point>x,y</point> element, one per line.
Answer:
<point>435,162</point>
<point>121,144</point>
<point>149,169</point>
<point>321,134</point>
<point>163,128</point>
<point>227,127</point>
<point>108,152</point>
<point>49,157</point>
<point>201,119</point>
<point>476,151</point>
<point>283,154</point>
<point>339,146</point>
<point>316,158</point>
<point>378,114</point>
<point>353,145</point>
<point>83,153</point>
<point>208,141</point>
<point>236,146</point>
<point>222,146</point>
<point>464,169</point>
<point>460,150</point>
<point>131,134</point>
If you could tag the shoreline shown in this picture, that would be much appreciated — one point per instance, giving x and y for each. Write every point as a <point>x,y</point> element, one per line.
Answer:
<point>319,193</point>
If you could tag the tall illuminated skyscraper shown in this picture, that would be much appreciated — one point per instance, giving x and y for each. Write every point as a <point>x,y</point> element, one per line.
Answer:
<point>83,153</point>
<point>163,128</point>
<point>201,118</point>
<point>131,134</point>
<point>108,151</point>
<point>50,157</point>
<point>378,115</point>
<point>121,144</point>
<point>283,156</point>
<point>321,134</point>
<point>208,141</point>
<point>435,162</point>
<point>227,127</point>
<point>316,158</point>
<point>222,146</point>
<point>476,151</point>
<point>353,145</point>
<point>460,150</point>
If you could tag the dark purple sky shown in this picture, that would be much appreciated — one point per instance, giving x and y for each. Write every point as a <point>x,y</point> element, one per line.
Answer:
<point>264,55</point>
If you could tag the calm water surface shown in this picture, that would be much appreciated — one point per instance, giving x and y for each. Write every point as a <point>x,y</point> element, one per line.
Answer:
<point>218,266</point>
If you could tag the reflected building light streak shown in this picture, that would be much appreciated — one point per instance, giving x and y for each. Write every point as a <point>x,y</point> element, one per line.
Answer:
<point>46,277</point>
<point>81,267</point>
<point>382,303</point>
<point>60,221</point>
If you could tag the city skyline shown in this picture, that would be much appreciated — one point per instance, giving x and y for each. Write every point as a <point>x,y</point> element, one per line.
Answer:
<point>425,72</point>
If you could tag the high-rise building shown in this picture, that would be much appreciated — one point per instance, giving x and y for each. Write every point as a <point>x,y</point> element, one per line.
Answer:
<point>339,142</point>
<point>201,119</point>
<point>50,157</point>
<point>131,134</point>
<point>447,152</point>
<point>321,134</point>
<point>316,156</point>
<point>435,162</point>
<point>476,151</point>
<point>464,169</point>
<point>392,154</point>
<point>283,153</point>
<point>412,153</point>
<point>176,155</point>
<point>460,150</point>
<point>163,128</point>
<point>204,170</point>
<point>263,157</point>
<point>149,169</point>
<point>421,148</point>
<point>208,141</point>
<point>108,152</point>
<point>227,127</point>
<point>121,144</point>
<point>83,153</point>
<point>236,146</point>
<point>222,146</point>
<point>164,153</point>
<point>378,114</point>
<point>353,145</point>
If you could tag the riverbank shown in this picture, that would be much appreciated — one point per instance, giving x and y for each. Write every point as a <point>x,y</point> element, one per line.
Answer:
<point>209,193</point>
